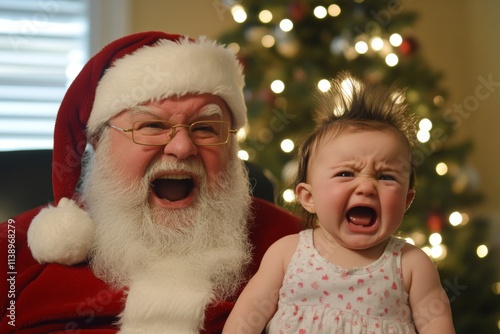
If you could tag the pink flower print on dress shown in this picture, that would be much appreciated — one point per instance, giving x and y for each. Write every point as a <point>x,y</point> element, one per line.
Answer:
<point>394,286</point>
<point>300,285</point>
<point>326,293</point>
<point>369,311</point>
<point>351,288</point>
<point>348,306</point>
<point>302,331</point>
<point>340,296</point>
<point>359,299</point>
<point>324,277</point>
<point>361,281</point>
<point>315,285</point>
<point>369,291</point>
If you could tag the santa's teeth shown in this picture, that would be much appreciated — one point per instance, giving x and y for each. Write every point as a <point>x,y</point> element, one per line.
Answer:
<point>175,177</point>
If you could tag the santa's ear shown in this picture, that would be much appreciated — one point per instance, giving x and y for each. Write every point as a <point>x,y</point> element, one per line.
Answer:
<point>305,196</point>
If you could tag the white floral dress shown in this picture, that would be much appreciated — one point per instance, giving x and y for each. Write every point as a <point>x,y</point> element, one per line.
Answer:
<point>319,297</point>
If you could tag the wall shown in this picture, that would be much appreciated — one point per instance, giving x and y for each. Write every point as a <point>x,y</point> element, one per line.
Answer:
<point>458,37</point>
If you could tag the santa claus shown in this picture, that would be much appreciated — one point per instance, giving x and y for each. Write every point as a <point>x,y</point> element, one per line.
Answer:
<point>159,233</point>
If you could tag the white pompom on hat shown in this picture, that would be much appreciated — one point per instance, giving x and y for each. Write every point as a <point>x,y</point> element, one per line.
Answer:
<point>132,70</point>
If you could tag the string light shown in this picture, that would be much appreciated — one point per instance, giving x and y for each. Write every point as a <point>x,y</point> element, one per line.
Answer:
<point>438,101</point>
<point>324,85</point>
<point>286,25</point>
<point>391,59</point>
<point>277,86</point>
<point>268,41</point>
<point>320,12</point>
<point>395,40</point>
<point>289,195</point>
<point>435,239</point>
<point>361,47</point>
<point>265,16</point>
<point>425,124</point>
<point>287,145</point>
<point>455,218</point>
<point>377,43</point>
<point>441,168</point>
<point>334,10</point>
<point>243,155</point>
<point>239,14</point>
<point>438,252</point>
<point>482,251</point>
<point>234,47</point>
<point>423,136</point>
<point>241,135</point>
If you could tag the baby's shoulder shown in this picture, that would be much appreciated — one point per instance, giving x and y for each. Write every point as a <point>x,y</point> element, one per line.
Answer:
<point>288,242</point>
<point>413,254</point>
<point>283,248</point>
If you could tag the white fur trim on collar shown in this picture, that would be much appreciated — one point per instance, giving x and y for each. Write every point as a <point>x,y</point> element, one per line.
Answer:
<point>167,69</point>
<point>171,301</point>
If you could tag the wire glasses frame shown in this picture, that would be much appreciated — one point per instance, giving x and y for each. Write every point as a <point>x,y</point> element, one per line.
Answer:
<point>159,133</point>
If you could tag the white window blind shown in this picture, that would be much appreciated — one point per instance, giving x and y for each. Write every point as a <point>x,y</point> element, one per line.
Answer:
<point>43,46</point>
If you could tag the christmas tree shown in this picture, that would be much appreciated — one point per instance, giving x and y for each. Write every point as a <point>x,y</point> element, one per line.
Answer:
<point>291,48</point>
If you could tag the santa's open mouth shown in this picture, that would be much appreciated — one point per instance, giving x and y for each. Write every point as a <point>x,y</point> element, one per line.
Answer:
<point>173,187</point>
<point>362,216</point>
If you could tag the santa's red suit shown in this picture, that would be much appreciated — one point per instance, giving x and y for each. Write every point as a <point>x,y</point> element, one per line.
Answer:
<point>49,287</point>
<point>54,298</point>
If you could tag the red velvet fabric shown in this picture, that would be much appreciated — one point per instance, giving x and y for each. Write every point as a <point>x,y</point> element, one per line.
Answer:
<point>59,299</point>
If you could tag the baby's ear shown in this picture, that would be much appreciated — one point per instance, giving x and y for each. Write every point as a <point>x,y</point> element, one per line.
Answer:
<point>305,197</point>
<point>410,196</point>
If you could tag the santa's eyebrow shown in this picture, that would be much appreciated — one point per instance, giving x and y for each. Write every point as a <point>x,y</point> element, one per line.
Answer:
<point>210,110</point>
<point>140,109</point>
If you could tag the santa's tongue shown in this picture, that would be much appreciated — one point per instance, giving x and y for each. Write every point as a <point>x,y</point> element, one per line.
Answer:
<point>173,189</point>
<point>362,216</point>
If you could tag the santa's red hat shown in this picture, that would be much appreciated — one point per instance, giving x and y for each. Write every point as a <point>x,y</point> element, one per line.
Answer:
<point>132,70</point>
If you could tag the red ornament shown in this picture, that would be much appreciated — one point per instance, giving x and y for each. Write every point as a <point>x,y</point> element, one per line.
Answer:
<point>408,46</point>
<point>435,223</point>
<point>297,10</point>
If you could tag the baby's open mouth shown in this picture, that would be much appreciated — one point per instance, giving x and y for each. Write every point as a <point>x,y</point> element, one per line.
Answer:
<point>362,216</point>
<point>173,187</point>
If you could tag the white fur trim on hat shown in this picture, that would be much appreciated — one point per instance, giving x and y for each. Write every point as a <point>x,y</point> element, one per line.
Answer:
<point>166,69</point>
<point>61,234</point>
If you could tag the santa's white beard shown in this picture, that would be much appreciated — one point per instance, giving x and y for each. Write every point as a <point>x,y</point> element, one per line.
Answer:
<point>187,257</point>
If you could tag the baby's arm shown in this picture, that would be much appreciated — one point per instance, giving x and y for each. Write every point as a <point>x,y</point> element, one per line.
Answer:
<point>259,300</point>
<point>429,303</point>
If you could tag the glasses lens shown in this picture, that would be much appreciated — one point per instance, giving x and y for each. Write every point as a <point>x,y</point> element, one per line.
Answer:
<point>151,132</point>
<point>209,132</point>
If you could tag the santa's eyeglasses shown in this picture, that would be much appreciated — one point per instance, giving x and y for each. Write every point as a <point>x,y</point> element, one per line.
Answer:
<point>159,133</point>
